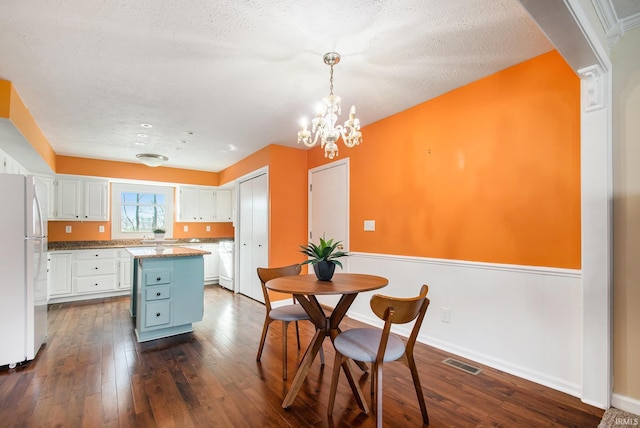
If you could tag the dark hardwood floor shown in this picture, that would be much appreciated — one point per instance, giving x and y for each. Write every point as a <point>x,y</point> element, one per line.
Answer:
<point>93,373</point>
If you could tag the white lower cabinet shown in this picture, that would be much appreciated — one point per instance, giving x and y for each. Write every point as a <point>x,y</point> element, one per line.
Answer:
<point>125,272</point>
<point>59,276</point>
<point>86,274</point>
<point>94,271</point>
<point>211,265</point>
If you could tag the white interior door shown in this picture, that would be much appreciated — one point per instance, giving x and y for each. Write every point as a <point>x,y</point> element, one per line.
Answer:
<point>329,209</point>
<point>245,229</point>
<point>260,232</point>
<point>253,234</point>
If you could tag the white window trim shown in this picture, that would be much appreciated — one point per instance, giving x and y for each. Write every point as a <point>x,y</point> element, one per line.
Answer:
<point>118,188</point>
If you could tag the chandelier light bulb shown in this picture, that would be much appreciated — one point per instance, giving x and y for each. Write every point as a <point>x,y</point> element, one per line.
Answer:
<point>323,126</point>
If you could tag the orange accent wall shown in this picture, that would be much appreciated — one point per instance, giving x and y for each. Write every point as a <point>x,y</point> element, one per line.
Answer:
<point>287,198</point>
<point>199,230</point>
<point>5,98</point>
<point>80,231</point>
<point>488,172</point>
<point>89,230</point>
<point>133,171</point>
<point>12,108</point>
<point>254,161</point>
<point>288,205</point>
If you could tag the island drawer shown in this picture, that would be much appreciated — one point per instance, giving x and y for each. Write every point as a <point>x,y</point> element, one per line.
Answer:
<point>157,313</point>
<point>157,277</point>
<point>158,293</point>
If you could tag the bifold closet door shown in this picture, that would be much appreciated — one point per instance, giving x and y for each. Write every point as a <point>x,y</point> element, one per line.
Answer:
<point>253,232</point>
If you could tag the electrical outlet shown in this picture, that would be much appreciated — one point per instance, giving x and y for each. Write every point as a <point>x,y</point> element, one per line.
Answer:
<point>67,229</point>
<point>185,228</point>
<point>101,228</point>
<point>208,228</point>
<point>369,225</point>
<point>445,315</point>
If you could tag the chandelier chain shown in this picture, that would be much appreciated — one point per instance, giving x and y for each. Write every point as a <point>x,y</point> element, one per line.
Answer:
<point>331,81</point>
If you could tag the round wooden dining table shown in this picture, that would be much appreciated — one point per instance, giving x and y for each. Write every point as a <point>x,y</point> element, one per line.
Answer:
<point>305,288</point>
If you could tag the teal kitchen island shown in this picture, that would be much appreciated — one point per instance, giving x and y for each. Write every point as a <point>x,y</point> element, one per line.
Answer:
<point>167,290</point>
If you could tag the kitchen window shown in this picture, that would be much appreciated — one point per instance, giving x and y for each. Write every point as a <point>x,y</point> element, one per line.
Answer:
<point>139,209</point>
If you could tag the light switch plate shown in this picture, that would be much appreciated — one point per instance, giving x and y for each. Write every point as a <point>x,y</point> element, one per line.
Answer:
<point>185,228</point>
<point>67,229</point>
<point>208,228</point>
<point>101,229</point>
<point>369,225</point>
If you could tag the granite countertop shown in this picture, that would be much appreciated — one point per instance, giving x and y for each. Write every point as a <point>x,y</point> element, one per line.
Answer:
<point>126,243</point>
<point>153,252</point>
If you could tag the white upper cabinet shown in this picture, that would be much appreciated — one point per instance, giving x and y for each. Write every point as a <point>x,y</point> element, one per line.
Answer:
<point>203,204</point>
<point>82,199</point>
<point>207,205</point>
<point>223,205</point>
<point>45,184</point>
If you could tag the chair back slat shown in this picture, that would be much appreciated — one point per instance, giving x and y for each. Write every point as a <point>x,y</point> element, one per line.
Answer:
<point>267,274</point>
<point>404,309</point>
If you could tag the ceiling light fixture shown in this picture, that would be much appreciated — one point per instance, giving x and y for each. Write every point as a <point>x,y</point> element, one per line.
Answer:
<point>152,160</point>
<point>323,126</point>
<point>146,125</point>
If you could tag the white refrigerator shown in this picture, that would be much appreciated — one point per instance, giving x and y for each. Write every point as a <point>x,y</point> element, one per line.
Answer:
<point>23,268</point>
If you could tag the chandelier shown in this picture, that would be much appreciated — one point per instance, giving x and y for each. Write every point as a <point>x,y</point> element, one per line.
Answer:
<point>323,126</point>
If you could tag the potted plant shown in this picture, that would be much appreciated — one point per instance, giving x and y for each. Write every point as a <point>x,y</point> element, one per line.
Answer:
<point>323,257</point>
<point>158,234</point>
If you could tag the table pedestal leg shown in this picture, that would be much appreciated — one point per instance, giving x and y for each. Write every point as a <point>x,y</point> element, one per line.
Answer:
<point>303,369</point>
<point>325,326</point>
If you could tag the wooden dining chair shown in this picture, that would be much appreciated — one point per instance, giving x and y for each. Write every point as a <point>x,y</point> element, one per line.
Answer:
<point>375,346</point>
<point>286,313</point>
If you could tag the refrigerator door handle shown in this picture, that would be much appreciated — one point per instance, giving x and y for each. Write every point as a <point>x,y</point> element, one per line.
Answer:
<point>40,220</point>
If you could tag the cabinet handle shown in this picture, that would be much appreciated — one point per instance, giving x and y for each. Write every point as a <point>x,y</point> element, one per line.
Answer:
<point>96,284</point>
<point>158,278</point>
<point>158,293</point>
<point>96,268</point>
<point>158,314</point>
<point>97,255</point>
<point>77,216</point>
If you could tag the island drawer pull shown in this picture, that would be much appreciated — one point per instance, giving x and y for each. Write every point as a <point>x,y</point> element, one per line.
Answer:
<point>158,314</point>
<point>158,294</point>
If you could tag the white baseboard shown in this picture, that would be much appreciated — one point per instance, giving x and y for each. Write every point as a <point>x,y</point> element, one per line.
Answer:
<point>627,404</point>
<point>88,296</point>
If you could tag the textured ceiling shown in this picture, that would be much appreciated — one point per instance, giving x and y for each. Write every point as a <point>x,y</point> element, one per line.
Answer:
<point>219,80</point>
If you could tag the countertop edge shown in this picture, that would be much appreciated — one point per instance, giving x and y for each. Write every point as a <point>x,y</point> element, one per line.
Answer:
<point>125,243</point>
<point>152,252</point>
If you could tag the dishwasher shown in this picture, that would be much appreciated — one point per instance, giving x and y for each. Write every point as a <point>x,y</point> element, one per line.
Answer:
<point>225,263</point>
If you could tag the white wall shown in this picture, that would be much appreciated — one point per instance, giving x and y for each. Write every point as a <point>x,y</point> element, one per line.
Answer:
<point>526,321</point>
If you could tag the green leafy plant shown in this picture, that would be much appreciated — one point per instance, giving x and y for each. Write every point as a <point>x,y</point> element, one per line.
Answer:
<point>327,251</point>
<point>159,231</point>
